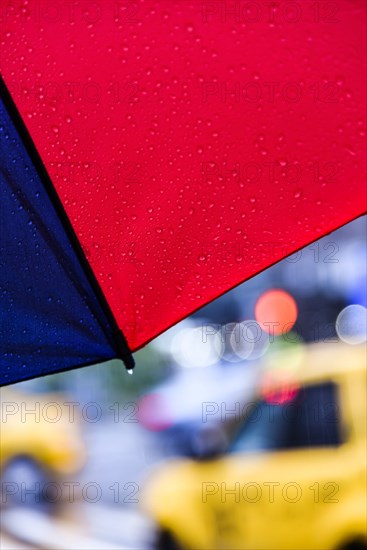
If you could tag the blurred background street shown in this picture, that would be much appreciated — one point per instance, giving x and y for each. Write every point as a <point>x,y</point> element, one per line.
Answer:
<point>77,449</point>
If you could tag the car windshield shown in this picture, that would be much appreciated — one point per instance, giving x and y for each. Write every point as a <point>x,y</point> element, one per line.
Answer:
<point>310,419</point>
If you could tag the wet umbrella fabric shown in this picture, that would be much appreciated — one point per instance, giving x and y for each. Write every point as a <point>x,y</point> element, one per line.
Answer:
<point>185,163</point>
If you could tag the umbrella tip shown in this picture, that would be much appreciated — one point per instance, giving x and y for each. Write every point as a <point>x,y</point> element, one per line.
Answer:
<point>124,352</point>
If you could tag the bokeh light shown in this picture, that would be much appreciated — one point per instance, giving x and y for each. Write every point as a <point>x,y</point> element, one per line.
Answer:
<point>248,340</point>
<point>239,343</point>
<point>276,311</point>
<point>279,387</point>
<point>153,413</point>
<point>281,364</point>
<point>197,347</point>
<point>351,324</point>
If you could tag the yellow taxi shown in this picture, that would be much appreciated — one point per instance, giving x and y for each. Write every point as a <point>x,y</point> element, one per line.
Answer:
<point>40,441</point>
<point>294,474</point>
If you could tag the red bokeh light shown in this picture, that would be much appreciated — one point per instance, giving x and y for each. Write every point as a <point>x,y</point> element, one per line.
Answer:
<point>279,389</point>
<point>276,312</point>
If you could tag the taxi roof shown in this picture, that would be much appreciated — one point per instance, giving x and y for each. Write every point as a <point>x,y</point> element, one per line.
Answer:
<point>315,362</point>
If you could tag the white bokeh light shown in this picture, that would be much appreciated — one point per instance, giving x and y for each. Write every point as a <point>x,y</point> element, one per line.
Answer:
<point>351,324</point>
<point>248,340</point>
<point>195,347</point>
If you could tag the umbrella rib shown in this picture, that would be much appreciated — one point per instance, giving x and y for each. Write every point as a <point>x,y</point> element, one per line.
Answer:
<point>121,346</point>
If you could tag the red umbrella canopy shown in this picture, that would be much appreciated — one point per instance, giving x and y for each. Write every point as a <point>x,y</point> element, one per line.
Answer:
<point>192,144</point>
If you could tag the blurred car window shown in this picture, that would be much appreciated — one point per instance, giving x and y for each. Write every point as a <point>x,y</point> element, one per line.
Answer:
<point>311,419</point>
